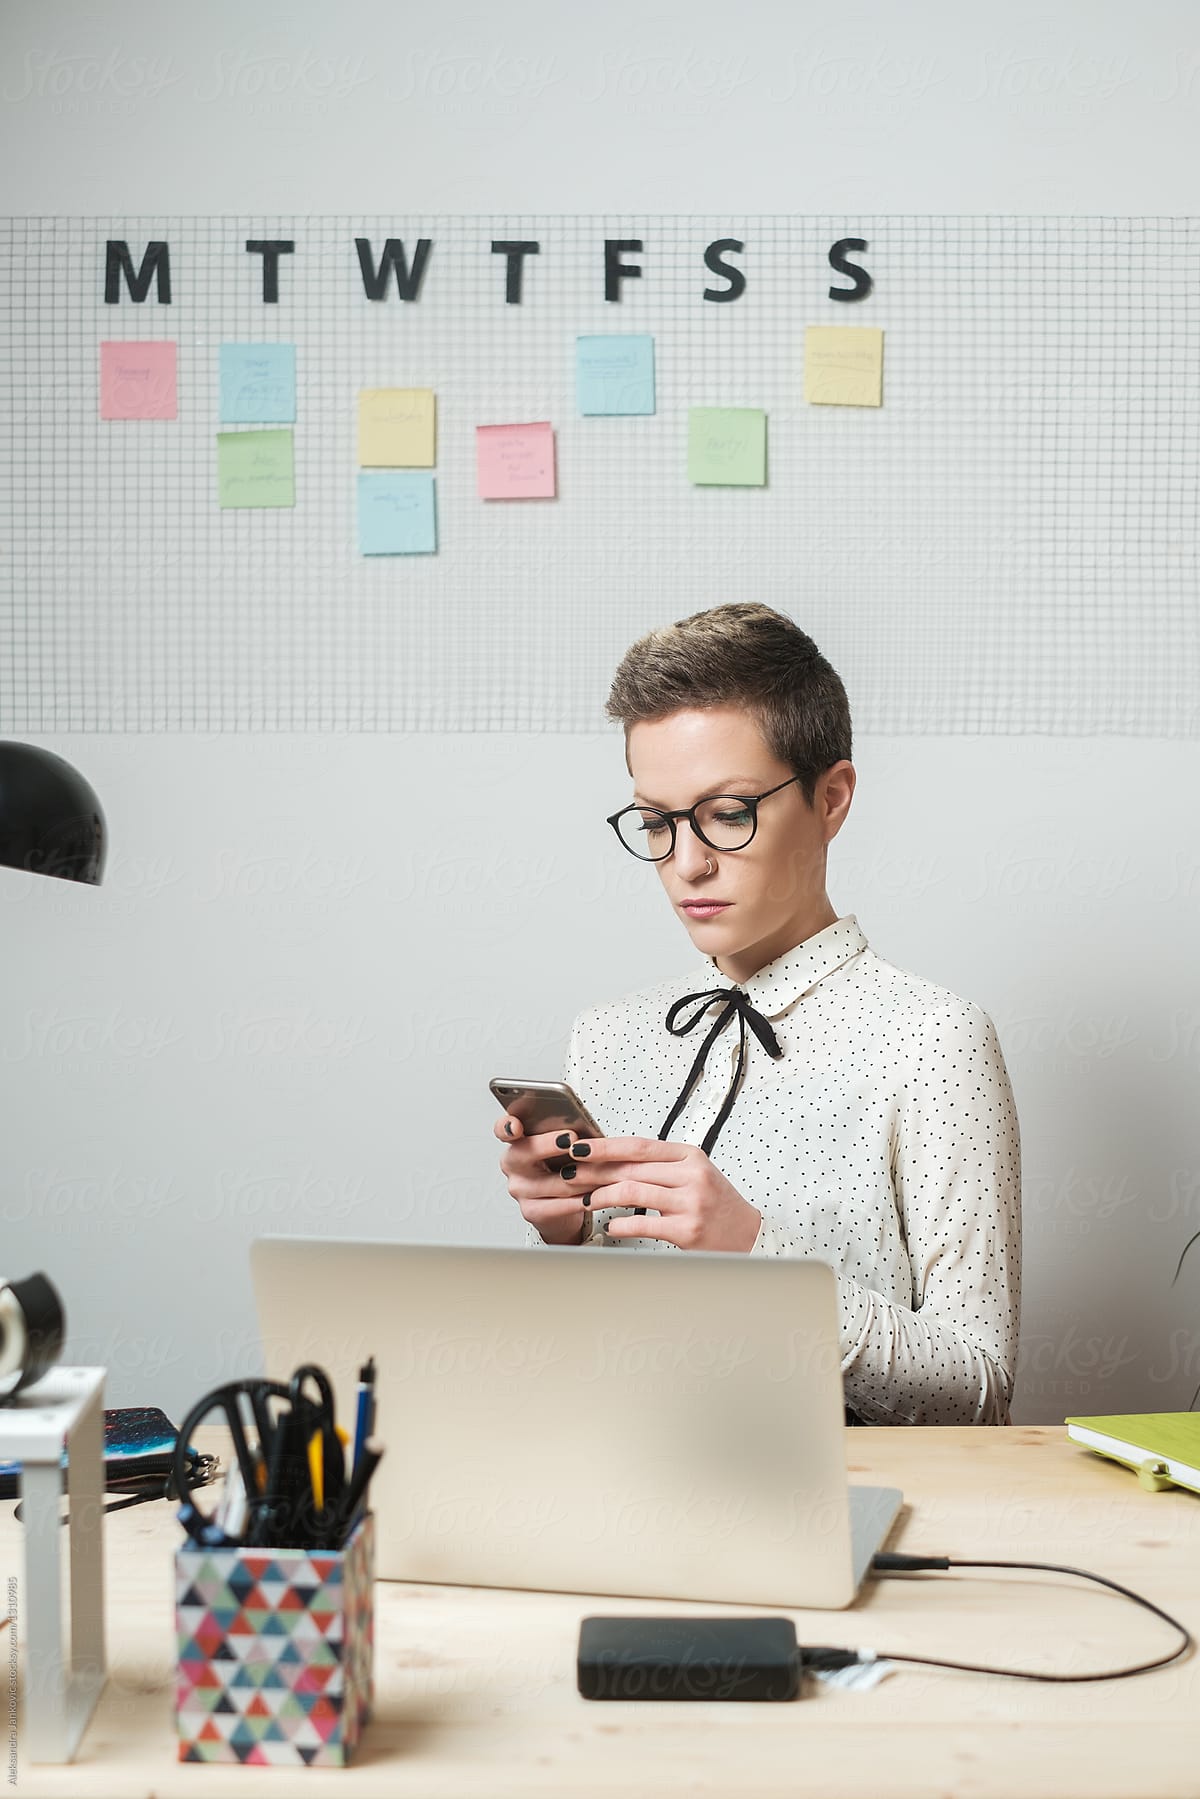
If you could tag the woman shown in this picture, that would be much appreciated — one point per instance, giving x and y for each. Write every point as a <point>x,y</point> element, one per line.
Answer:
<point>837,1106</point>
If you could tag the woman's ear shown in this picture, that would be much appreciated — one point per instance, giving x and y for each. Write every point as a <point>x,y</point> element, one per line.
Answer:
<point>835,790</point>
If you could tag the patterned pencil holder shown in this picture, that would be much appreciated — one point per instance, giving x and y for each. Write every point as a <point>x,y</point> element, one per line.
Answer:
<point>275,1652</point>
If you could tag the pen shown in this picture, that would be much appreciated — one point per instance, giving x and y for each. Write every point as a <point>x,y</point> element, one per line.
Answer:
<point>275,1521</point>
<point>369,1460</point>
<point>364,1418</point>
<point>234,1507</point>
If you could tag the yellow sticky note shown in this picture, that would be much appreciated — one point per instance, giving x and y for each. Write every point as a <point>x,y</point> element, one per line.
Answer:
<point>396,427</point>
<point>843,365</point>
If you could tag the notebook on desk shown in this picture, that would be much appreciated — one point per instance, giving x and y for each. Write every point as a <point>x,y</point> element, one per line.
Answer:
<point>1163,1448</point>
<point>666,1427</point>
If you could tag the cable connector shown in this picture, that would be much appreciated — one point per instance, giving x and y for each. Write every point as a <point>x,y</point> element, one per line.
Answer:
<point>824,1660</point>
<point>889,1562</point>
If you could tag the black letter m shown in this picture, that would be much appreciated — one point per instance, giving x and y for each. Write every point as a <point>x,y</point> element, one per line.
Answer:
<point>117,262</point>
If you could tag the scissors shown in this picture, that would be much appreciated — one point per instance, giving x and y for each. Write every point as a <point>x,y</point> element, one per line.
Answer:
<point>240,1403</point>
<point>290,1512</point>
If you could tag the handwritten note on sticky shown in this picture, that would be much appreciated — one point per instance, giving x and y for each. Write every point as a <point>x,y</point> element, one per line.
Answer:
<point>258,384</point>
<point>396,427</point>
<point>727,446</point>
<point>396,514</point>
<point>255,468</point>
<point>614,374</point>
<point>843,365</point>
<point>137,381</point>
<point>515,462</point>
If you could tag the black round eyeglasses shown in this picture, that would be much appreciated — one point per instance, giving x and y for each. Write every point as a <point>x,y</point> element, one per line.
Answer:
<point>724,821</point>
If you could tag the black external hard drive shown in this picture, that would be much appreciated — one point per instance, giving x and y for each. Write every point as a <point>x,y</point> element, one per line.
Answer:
<point>688,1658</point>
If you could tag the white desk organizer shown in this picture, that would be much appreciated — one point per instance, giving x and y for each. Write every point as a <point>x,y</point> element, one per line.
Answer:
<point>64,1409</point>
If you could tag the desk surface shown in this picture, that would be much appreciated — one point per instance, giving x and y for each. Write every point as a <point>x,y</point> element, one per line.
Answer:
<point>476,1686</point>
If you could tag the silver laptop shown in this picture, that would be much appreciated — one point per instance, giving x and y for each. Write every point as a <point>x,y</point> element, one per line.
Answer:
<point>666,1427</point>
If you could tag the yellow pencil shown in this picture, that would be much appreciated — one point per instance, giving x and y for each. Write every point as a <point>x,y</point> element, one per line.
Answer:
<point>316,1468</point>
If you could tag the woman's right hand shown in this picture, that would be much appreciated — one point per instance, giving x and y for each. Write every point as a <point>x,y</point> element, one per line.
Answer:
<point>546,1199</point>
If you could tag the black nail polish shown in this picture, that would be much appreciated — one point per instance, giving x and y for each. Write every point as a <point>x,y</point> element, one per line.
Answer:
<point>564,1142</point>
<point>567,1171</point>
<point>581,1149</point>
<point>507,1128</point>
<point>585,1199</point>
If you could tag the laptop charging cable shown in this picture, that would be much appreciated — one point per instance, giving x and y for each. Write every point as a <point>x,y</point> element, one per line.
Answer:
<point>759,1658</point>
<point>824,1659</point>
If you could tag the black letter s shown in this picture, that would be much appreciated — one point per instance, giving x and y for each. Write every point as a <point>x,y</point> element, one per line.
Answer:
<point>837,260</point>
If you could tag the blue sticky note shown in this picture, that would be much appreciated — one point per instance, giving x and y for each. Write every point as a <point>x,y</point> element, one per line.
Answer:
<point>258,384</point>
<point>396,513</point>
<point>614,374</point>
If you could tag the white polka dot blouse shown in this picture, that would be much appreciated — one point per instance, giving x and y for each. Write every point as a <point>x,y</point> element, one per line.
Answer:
<point>883,1139</point>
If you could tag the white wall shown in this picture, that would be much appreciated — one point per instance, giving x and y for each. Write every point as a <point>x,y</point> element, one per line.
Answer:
<point>270,1016</point>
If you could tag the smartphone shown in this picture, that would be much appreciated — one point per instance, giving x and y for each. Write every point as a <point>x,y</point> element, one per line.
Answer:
<point>545,1106</point>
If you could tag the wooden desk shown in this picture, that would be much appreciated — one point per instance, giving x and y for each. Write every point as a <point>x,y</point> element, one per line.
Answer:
<point>476,1687</point>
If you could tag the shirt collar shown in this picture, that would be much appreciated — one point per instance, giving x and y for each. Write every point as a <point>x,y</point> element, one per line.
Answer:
<point>796,972</point>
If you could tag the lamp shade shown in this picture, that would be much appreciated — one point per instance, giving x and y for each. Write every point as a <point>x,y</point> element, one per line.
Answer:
<point>51,822</point>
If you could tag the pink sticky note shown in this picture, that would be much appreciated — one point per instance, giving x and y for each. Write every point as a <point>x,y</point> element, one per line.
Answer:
<point>137,381</point>
<point>515,462</point>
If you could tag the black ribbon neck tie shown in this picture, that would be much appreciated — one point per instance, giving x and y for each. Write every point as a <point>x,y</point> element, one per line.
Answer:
<point>734,1001</point>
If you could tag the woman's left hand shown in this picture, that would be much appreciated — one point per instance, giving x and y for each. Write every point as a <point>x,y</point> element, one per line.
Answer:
<point>697,1207</point>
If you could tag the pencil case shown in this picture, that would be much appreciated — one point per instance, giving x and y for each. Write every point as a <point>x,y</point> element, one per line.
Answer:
<point>139,1441</point>
<point>275,1652</point>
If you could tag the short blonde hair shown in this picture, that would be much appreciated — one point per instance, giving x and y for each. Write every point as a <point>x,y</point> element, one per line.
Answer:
<point>743,654</point>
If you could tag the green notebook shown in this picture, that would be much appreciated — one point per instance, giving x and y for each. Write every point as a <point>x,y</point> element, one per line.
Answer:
<point>1163,1447</point>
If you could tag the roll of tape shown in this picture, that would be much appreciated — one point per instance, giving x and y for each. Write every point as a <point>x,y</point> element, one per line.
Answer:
<point>12,1336</point>
<point>32,1326</point>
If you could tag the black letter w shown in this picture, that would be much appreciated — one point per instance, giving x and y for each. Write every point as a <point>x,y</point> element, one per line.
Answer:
<point>376,284</point>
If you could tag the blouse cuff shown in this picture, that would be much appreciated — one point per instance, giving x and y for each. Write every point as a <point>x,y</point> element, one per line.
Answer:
<point>854,1308</point>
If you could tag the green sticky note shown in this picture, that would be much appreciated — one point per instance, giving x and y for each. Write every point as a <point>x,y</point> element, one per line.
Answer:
<point>727,446</point>
<point>255,468</point>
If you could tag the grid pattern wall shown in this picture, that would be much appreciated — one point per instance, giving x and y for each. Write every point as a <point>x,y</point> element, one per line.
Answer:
<point>1008,544</point>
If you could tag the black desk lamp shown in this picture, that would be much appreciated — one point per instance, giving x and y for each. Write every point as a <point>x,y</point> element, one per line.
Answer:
<point>51,822</point>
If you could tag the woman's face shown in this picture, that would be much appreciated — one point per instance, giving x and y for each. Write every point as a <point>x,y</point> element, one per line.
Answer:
<point>774,889</point>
